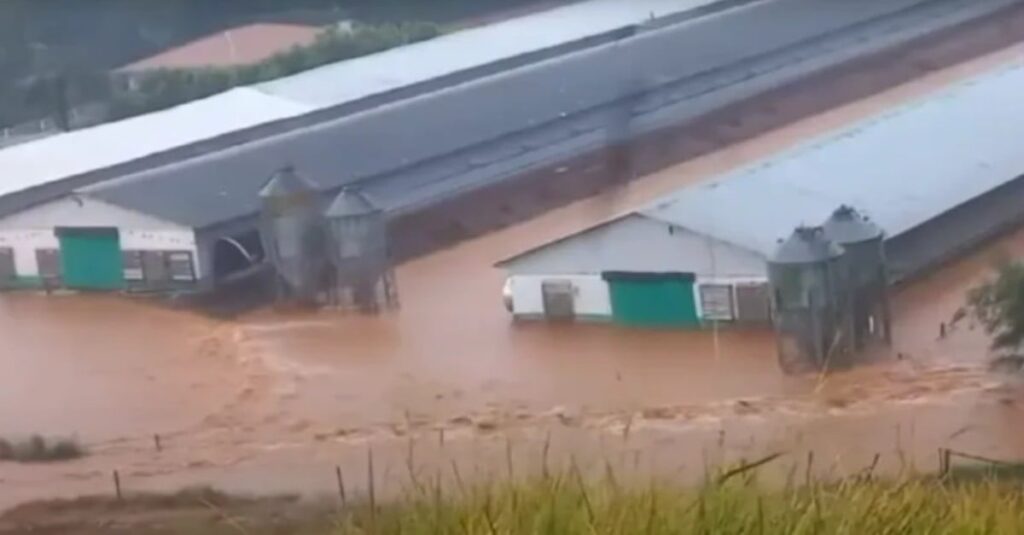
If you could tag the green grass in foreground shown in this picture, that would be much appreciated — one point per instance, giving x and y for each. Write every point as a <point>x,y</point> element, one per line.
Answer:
<point>560,506</point>
<point>965,502</point>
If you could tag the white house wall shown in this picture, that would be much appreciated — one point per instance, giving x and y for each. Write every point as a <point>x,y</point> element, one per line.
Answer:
<point>639,244</point>
<point>592,299</point>
<point>33,229</point>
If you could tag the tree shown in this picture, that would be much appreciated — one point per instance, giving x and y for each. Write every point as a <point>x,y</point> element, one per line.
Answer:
<point>998,305</point>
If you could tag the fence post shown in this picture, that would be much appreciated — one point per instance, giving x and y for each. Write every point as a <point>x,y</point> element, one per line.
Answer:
<point>372,490</point>
<point>341,486</point>
<point>117,485</point>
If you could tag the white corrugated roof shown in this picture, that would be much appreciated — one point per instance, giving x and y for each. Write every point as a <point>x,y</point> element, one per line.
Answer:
<point>902,168</point>
<point>360,77</point>
<point>64,155</point>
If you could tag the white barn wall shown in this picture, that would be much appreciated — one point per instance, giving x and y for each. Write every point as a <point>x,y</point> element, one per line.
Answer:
<point>639,244</point>
<point>33,229</point>
<point>25,243</point>
<point>591,291</point>
<point>632,243</point>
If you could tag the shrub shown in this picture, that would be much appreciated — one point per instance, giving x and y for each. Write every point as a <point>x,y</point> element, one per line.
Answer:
<point>38,449</point>
<point>998,304</point>
<point>164,88</point>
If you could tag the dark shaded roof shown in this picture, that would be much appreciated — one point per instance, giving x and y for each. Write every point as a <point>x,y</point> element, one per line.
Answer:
<point>847,225</point>
<point>350,202</point>
<point>806,245</point>
<point>467,121</point>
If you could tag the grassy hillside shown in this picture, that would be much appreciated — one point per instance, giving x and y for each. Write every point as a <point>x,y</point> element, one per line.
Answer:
<point>965,502</point>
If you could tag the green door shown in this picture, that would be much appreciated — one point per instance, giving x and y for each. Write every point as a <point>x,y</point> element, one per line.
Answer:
<point>653,299</point>
<point>91,258</point>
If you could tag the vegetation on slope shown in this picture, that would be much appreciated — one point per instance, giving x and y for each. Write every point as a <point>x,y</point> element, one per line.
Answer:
<point>56,54</point>
<point>998,304</point>
<point>38,449</point>
<point>961,502</point>
<point>169,87</point>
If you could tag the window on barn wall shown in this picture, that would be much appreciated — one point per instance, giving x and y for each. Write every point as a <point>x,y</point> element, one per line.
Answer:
<point>154,268</point>
<point>132,261</point>
<point>752,303</point>
<point>179,265</point>
<point>716,302</point>
<point>48,261</point>
<point>559,299</point>
<point>7,270</point>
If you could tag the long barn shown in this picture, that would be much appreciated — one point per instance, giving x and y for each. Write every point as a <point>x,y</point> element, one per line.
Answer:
<point>939,175</point>
<point>186,224</point>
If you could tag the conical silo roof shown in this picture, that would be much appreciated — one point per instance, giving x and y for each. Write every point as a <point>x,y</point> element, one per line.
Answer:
<point>286,182</point>
<point>846,225</point>
<point>806,245</point>
<point>350,203</point>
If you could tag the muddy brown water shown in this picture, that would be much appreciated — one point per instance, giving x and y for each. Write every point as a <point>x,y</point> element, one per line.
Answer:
<point>274,401</point>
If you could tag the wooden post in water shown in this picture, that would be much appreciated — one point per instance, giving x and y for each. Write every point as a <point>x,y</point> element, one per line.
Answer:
<point>117,485</point>
<point>372,490</point>
<point>341,487</point>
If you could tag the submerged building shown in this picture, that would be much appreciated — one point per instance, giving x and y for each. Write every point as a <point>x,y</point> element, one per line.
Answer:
<point>938,174</point>
<point>171,199</point>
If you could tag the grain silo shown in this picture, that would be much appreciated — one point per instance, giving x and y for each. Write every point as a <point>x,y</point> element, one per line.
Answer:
<point>864,246</point>
<point>807,275</point>
<point>357,234</point>
<point>292,234</point>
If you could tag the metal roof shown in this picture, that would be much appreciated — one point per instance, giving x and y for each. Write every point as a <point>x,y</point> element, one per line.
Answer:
<point>90,150</point>
<point>350,203</point>
<point>806,245</point>
<point>445,136</point>
<point>848,226</point>
<point>360,77</point>
<point>50,159</point>
<point>285,183</point>
<point>902,168</point>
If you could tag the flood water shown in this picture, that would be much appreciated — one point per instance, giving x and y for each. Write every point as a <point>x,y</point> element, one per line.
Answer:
<point>272,401</point>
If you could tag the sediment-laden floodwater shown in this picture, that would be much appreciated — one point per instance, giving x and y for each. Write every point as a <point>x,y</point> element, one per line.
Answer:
<point>274,401</point>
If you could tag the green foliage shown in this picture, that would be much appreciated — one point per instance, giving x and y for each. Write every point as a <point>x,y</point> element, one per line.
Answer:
<point>164,88</point>
<point>977,502</point>
<point>998,305</point>
<point>561,506</point>
<point>39,449</point>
